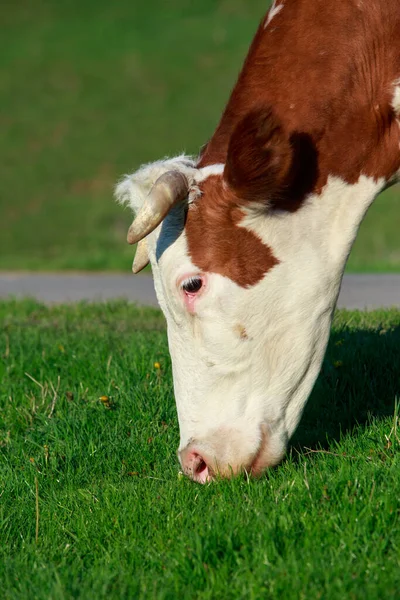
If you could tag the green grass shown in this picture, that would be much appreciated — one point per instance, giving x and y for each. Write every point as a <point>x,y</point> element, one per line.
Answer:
<point>116,520</point>
<point>90,90</point>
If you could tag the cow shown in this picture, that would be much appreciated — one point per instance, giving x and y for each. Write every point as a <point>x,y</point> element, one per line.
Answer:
<point>248,241</point>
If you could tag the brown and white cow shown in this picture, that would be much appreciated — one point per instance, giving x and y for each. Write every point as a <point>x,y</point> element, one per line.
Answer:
<point>248,242</point>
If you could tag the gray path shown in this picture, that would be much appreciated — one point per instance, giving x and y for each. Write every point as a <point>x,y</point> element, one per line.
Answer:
<point>358,291</point>
<point>49,287</point>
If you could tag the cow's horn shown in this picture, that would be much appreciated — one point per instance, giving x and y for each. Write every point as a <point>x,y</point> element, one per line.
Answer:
<point>141,259</point>
<point>169,189</point>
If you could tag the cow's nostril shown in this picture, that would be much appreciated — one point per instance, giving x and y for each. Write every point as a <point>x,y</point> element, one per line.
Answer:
<point>200,467</point>
<point>195,466</point>
<point>200,470</point>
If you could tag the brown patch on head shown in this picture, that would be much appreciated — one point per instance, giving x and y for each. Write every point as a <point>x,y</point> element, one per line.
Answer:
<point>218,244</point>
<point>258,165</point>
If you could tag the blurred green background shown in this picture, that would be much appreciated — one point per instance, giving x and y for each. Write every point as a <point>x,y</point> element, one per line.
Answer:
<point>91,89</point>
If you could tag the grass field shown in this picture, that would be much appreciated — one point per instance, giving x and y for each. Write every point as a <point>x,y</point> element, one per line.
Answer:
<point>88,91</point>
<point>88,431</point>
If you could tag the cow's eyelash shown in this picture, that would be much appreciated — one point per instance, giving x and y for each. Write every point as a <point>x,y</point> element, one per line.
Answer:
<point>192,285</point>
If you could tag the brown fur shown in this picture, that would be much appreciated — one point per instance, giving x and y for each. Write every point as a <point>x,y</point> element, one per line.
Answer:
<point>218,245</point>
<point>258,140</point>
<point>326,67</point>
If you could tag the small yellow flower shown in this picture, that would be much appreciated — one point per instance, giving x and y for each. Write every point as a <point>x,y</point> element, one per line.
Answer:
<point>338,363</point>
<point>106,401</point>
<point>157,365</point>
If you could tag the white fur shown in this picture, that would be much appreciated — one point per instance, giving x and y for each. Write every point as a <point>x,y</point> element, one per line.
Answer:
<point>222,380</point>
<point>396,108</point>
<point>396,98</point>
<point>302,289</point>
<point>287,317</point>
<point>133,189</point>
<point>209,170</point>
<point>273,11</point>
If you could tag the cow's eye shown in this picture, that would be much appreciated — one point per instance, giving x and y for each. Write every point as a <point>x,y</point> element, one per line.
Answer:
<point>192,285</point>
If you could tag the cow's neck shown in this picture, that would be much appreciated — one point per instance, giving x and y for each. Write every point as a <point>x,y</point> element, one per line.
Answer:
<point>316,240</point>
<point>328,221</point>
<point>312,246</point>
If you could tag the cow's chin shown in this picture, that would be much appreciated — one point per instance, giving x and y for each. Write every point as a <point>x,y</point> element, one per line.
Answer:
<point>225,454</point>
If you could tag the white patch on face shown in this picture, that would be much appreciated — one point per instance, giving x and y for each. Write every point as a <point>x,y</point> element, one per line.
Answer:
<point>273,11</point>
<point>226,382</point>
<point>396,98</point>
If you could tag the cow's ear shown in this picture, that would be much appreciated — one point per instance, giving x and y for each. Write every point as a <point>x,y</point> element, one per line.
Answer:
<point>259,158</point>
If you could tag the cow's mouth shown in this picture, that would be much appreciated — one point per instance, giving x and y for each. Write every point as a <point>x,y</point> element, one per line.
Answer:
<point>261,460</point>
<point>199,467</point>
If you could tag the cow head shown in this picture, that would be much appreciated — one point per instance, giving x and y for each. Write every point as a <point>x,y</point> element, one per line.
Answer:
<point>248,243</point>
<point>247,289</point>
